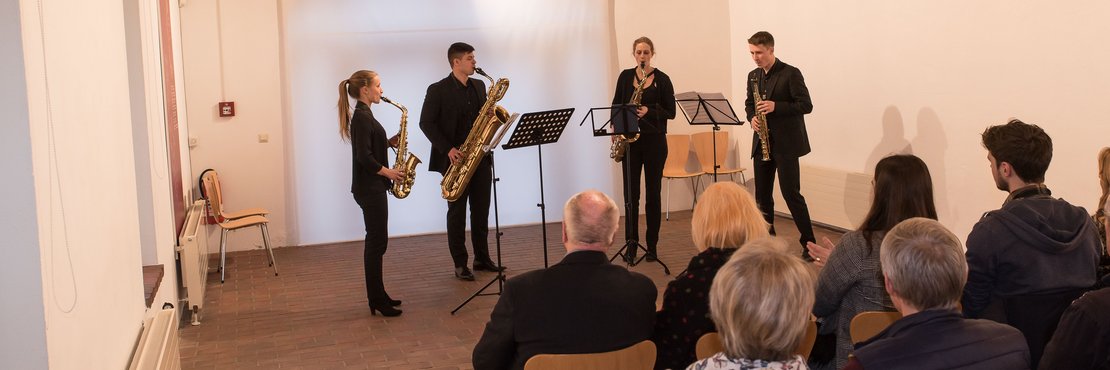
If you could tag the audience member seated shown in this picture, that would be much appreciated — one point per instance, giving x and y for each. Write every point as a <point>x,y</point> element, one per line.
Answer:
<point>760,301</point>
<point>925,271</point>
<point>1082,339</point>
<point>1029,259</point>
<point>850,281</point>
<point>724,219</point>
<point>583,304</point>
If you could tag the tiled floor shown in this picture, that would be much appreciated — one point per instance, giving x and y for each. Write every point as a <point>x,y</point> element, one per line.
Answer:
<point>315,316</point>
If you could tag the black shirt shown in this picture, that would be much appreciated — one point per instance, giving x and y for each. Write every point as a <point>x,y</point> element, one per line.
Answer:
<point>658,97</point>
<point>368,152</point>
<point>448,114</point>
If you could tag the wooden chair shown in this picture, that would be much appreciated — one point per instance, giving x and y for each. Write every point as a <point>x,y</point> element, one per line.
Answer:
<point>868,323</point>
<point>219,192</point>
<point>710,343</point>
<point>640,356</point>
<point>215,201</point>
<point>703,146</point>
<point>678,149</point>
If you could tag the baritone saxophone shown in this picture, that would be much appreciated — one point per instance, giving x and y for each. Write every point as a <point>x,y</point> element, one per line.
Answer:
<point>406,162</point>
<point>492,122</point>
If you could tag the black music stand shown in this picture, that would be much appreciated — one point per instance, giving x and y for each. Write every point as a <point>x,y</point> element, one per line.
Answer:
<point>623,121</point>
<point>500,278</point>
<point>536,129</point>
<point>708,109</point>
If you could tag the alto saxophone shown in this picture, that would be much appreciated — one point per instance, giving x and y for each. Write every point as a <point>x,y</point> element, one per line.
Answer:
<point>764,133</point>
<point>620,146</point>
<point>493,120</point>
<point>406,162</point>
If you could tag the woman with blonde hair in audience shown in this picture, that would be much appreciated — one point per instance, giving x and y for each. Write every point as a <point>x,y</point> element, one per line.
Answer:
<point>725,217</point>
<point>1101,222</point>
<point>760,302</point>
<point>851,281</point>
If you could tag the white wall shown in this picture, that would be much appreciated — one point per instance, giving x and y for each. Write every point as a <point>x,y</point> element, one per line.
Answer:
<point>692,42</point>
<point>85,185</point>
<point>934,75</point>
<point>23,340</point>
<point>551,53</point>
<point>230,51</point>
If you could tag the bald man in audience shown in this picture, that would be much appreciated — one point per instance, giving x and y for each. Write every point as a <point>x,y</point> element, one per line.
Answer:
<point>924,271</point>
<point>583,304</point>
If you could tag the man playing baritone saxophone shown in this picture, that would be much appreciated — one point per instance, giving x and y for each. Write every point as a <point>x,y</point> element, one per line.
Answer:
<point>785,102</point>
<point>450,108</point>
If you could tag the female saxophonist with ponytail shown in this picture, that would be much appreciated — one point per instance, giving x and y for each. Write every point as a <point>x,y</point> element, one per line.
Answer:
<point>656,106</point>
<point>370,178</point>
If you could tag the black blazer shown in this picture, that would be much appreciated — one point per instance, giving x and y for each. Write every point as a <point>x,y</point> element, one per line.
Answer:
<point>583,304</point>
<point>784,85</point>
<point>368,153</point>
<point>445,118</point>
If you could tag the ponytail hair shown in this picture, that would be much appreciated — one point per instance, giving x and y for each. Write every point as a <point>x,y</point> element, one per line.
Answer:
<point>350,88</point>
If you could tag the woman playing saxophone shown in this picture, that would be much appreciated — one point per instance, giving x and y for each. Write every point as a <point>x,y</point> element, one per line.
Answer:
<point>370,179</point>
<point>649,152</point>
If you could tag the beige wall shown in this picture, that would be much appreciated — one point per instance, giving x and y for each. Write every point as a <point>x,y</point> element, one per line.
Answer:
<point>231,53</point>
<point>82,152</point>
<point>933,75</point>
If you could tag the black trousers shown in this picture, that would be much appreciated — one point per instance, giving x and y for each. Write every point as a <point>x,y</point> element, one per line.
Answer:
<point>649,153</point>
<point>375,214</point>
<point>477,193</point>
<point>791,186</point>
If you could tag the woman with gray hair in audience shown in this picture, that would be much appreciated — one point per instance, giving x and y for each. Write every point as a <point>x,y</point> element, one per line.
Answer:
<point>760,302</point>
<point>724,219</point>
<point>851,282</point>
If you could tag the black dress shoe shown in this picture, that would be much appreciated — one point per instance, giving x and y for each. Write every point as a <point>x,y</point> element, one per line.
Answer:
<point>488,266</point>
<point>463,273</point>
<point>384,309</point>
<point>650,257</point>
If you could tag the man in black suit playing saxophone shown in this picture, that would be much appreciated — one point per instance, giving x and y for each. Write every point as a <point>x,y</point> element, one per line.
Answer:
<point>785,101</point>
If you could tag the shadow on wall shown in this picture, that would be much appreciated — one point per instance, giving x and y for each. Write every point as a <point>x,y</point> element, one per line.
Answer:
<point>932,144</point>
<point>893,141</point>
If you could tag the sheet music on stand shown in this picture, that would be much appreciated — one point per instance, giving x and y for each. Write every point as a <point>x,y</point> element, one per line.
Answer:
<point>539,128</point>
<point>707,108</point>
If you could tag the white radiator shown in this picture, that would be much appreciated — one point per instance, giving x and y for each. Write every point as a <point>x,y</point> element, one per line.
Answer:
<point>835,197</point>
<point>157,348</point>
<point>192,252</point>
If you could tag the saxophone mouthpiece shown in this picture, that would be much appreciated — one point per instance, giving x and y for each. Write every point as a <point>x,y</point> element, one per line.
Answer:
<point>385,99</point>
<point>481,72</point>
<point>643,65</point>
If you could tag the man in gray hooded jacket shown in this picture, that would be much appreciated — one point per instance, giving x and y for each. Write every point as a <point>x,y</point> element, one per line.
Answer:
<point>1029,259</point>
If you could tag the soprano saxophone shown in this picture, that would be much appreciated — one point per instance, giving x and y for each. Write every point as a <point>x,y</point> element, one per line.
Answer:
<point>620,145</point>
<point>406,162</point>
<point>764,133</point>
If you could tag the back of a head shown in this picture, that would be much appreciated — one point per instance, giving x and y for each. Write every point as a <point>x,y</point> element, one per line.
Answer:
<point>903,189</point>
<point>726,217</point>
<point>924,264</point>
<point>761,300</point>
<point>590,219</point>
<point>1027,148</point>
